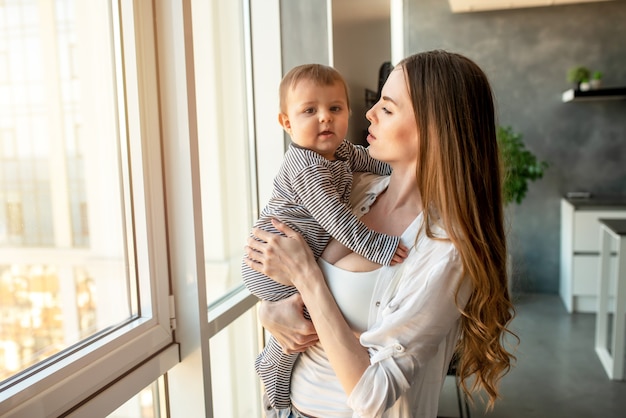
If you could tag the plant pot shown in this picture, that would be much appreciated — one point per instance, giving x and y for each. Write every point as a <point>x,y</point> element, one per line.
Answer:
<point>595,84</point>
<point>585,86</point>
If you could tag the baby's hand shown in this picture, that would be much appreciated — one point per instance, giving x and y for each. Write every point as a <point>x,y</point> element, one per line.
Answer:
<point>400,255</point>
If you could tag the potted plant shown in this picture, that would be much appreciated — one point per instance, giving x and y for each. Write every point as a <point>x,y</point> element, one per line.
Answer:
<point>584,85</point>
<point>596,80</point>
<point>578,75</point>
<point>520,165</point>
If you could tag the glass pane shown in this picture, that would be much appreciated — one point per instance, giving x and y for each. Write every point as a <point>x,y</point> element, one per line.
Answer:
<point>235,385</point>
<point>63,264</point>
<point>148,403</point>
<point>223,136</point>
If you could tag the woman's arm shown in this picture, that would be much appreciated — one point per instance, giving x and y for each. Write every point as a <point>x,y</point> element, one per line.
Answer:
<point>411,323</point>
<point>289,260</point>
<point>416,329</point>
<point>284,319</point>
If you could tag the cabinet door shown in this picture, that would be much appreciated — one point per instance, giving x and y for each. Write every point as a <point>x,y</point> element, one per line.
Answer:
<point>586,275</point>
<point>587,229</point>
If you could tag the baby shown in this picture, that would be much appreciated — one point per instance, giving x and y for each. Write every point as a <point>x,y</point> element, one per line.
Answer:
<point>311,194</point>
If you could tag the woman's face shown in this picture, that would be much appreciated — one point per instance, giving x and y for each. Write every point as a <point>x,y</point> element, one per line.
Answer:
<point>393,130</point>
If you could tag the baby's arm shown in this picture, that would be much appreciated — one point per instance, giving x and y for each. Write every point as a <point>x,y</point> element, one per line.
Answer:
<point>360,160</point>
<point>317,193</point>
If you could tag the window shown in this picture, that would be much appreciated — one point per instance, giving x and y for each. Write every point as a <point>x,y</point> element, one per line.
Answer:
<point>57,283</point>
<point>84,288</point>
<point>237,107</point>
<point>150,402</point>
<point>145,174</point>
<point>224,140</point>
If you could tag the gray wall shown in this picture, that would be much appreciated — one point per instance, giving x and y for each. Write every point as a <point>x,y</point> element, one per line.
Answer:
<point>360,65</point>
<point>526,54</point>
<point>304,36</point>
<point>304,32</point>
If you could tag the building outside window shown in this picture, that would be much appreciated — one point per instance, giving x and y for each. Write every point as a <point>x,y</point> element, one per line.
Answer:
<point>63,257</point>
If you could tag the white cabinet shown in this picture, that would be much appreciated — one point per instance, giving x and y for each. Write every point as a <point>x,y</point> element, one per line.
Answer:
<point>580,249</point>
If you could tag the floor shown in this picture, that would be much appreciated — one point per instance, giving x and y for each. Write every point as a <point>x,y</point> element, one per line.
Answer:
<point>557,374</point>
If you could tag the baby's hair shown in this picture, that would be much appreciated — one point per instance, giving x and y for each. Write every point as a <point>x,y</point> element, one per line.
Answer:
<point>322,75</point>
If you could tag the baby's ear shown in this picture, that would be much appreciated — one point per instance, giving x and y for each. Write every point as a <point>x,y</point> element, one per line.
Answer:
<point>283,119</point>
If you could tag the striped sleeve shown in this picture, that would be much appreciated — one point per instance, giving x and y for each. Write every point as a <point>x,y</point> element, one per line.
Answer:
<point>314,187</point>
<point>360,160</point>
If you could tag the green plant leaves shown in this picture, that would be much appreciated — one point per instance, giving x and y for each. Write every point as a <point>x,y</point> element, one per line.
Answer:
<point>578,74</point>
<point>520,165</point>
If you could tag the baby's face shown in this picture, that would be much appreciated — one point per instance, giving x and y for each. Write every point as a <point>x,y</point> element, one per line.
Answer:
<point>317,117</point>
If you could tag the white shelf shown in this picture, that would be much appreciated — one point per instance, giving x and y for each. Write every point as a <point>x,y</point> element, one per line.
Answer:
<point>610,93</point>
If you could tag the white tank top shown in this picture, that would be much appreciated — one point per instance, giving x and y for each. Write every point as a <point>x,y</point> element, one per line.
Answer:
<point>353,293</point>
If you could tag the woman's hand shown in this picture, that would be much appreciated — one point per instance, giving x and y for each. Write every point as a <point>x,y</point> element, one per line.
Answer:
<point>285,321</point>
<point>289,260</point>
<point>284,259</point>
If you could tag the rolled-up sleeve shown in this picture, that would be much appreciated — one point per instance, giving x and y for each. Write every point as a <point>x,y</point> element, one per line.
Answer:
<point>411,322</point>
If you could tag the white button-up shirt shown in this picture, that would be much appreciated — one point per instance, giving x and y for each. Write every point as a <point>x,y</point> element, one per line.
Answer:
<point>413,324</point>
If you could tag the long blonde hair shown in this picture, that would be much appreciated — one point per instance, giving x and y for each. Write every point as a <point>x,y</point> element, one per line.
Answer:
<point>459,177</point>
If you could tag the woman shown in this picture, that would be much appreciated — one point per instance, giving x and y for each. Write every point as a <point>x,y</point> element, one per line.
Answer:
<point>435,126</point>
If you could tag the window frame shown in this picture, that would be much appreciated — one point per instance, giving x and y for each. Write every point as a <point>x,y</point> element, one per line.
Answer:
<point>140,351</point>
<point>56,386</point>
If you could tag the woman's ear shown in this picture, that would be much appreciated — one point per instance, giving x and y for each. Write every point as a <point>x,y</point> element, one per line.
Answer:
<point>283,119</point>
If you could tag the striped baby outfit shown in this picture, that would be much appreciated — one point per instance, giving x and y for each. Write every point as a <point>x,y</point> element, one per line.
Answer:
<point>311,195</point>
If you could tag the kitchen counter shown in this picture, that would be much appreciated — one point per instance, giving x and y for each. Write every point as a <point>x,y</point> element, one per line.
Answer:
<point>599,202</point>
<point>580,247</point>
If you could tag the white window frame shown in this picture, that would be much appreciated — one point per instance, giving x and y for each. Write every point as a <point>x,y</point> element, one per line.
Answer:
<point>159,98</point>
<point>144,344</point>
<point>196,326</point>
